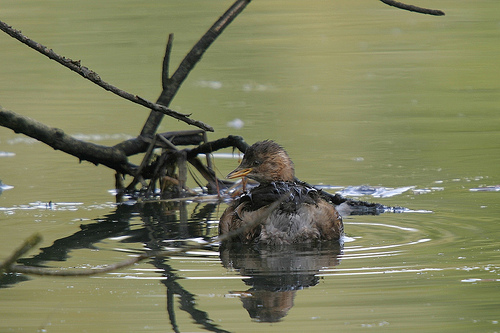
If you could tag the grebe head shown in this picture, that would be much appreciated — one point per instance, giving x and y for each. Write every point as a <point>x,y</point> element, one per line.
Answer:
<point>265,162</point>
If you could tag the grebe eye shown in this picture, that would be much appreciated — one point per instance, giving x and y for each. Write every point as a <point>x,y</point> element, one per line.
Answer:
<point>257,163</point>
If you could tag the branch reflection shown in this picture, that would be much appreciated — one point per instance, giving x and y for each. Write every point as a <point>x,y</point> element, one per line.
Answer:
<point>273,274</point>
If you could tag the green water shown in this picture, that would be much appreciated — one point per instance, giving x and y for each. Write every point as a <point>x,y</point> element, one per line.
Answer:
<point>359,93</point>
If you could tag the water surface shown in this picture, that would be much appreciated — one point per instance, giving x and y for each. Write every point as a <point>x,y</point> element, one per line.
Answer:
<point>358,93</point>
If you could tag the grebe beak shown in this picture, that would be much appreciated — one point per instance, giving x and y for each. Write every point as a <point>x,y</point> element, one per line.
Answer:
<point>236,173</point>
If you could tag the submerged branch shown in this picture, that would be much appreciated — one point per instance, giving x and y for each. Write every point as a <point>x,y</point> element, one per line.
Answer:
<point>28,244</point>
<point>413,8</point>
<point>41,271</point>
<point>95,78</point>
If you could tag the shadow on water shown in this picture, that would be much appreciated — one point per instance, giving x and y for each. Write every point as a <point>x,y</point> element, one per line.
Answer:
<point>273,274</point>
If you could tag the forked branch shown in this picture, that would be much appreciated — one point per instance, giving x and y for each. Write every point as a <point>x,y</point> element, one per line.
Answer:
<point>171,85</point>
<point>116,157</point>
<point>92,76</point>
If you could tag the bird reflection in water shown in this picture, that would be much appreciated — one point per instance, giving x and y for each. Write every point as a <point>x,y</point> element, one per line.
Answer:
<point>286,232</point>
<point>275,273</point>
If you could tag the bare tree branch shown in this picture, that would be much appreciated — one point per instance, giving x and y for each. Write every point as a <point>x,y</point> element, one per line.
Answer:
<point>190,60</point>
<point>95,78</point>
<point>165,80</point>
<point>412,8</point>
<point>57,139</point>
<point>209,147</point>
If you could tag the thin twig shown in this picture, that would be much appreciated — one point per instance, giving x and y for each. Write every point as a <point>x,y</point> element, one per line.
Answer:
<point>28,244</point>
<point>95,78</point>
<point>165,79</point>
<point>207,39</point>
<point>413,8</point>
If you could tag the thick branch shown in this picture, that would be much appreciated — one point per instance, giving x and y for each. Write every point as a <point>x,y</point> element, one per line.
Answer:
<point>412,8</point>
<point>57,139</point>
<point>190,60</point>
<point>95,78</point>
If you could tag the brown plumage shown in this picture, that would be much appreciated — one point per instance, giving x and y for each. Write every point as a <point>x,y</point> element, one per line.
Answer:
<point>301,216</point>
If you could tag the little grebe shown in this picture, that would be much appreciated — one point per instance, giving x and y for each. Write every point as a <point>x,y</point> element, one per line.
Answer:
<point>302,216</point>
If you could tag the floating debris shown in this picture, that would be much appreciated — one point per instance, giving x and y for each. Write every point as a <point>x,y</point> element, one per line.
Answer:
<point>209,84</point>
<point>475,280</point>
<point>427,190</point>
<point>374,191</point>
<point>4,187</point>
<point>495,188</point>
<point>102,137</point>
<point>7,154</point>
<point>236,123</point>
